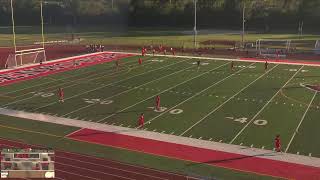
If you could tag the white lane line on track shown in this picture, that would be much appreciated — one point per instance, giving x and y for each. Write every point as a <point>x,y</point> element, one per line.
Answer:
<point>76,174</point>
<point>217,108</point>
<point>302,119</point>
<point>162,92</point>
<point>265,105</point>
<point>110,167</point>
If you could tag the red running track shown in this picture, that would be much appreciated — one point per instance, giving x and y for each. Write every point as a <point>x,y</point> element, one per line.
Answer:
<point>233,161</point>
<point>69,166</point>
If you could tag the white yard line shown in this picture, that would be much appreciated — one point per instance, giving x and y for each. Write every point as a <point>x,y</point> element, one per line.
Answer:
<point>71,85</point>
<point>29,87</point>
<point>257,114</point>
<point>109,84</point>
<point>126,91</point>
<point>161,92</point>
<point>302,119</point>
<point>200,92</point>
<point>217,108</point>
<point>89,90</point>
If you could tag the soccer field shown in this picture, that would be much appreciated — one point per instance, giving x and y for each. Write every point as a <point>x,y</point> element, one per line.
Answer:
<point>246,106</point>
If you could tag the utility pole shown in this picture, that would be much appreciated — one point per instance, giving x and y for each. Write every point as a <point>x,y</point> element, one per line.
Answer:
<point>243,24</point>
<point>195,25</point>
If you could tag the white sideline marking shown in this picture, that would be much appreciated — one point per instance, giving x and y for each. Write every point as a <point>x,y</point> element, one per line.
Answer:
<point>143,84</point>
<point>104,86</point>
<point>162,92</point>
<point>196,94</point>
<point>265,105</point>
<point>217,108</point>
<point>304,115</point>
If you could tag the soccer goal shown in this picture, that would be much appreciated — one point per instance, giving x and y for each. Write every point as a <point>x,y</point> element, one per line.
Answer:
<point>27,56</point>
<point>273,48</point>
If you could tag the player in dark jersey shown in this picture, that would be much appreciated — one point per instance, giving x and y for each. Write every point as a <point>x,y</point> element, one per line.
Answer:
<point>232,66</point>
<point>266,66</point>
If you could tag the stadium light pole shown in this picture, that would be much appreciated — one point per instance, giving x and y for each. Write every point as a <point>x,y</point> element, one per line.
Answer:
<point>13,28</point>
<point>195,25</point>
<point>243,24</point>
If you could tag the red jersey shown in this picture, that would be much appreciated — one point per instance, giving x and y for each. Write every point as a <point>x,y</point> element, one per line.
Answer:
<point>141,120</point>
<point>140,61</point>
<point>158,99</point>
<point>277,142</point>
<point>61,93</point>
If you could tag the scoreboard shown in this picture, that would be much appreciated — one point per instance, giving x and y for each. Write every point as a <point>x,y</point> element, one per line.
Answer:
<point>27,163</point>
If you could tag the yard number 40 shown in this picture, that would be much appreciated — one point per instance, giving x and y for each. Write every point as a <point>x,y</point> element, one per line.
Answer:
<point>243,120</point>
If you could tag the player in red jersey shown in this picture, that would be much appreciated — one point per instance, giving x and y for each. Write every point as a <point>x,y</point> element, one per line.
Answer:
<point>140,61</point>
<point>141,120</point>
<point>61,95</point>
<point>158,102</point>
<point>142,51</point>
<point>266,66</point>
<point>277,143</point>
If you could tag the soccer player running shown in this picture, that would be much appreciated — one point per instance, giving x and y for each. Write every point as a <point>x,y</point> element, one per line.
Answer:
<point>141,121</point>
<point>61,95</point>
<point>277,143</point>
<point>158,102</point>
<point>198,64</point>
<point>266,66</point>
<point>140,61</point>
<point>232,66</point>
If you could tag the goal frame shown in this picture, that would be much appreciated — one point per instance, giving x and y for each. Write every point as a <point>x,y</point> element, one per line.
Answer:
<point>18,59</point>
<point>259,50</point>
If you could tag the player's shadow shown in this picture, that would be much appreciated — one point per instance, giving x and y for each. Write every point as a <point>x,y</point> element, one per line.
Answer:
<point>229,160</point>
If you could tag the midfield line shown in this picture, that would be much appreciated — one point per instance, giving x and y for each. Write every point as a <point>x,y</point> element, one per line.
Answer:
<point>198,93</point>
<point>29,87</point>
<point>77,84</point>
<point>107,85</point>
<point>217,108</point>
<point>143,84</point>
<point>302,119</point>
<point>257,114</point>
<point>162,92</point>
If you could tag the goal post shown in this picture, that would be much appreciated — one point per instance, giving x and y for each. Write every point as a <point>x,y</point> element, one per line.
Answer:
<point>273,48</point>
<point>35,54</point>
<point>27,56</point>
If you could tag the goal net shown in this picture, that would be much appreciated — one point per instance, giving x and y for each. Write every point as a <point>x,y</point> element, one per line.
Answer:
<point>27,56</point>
<point>273,48</point>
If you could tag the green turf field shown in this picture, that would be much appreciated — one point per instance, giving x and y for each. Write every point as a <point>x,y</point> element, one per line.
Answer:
<point>247,106</point>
